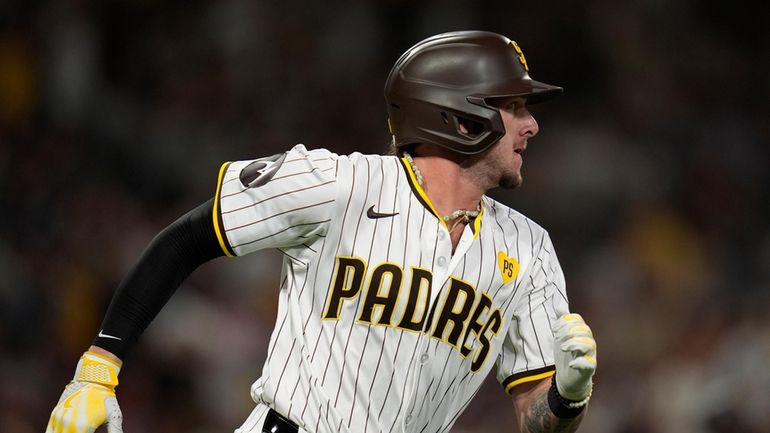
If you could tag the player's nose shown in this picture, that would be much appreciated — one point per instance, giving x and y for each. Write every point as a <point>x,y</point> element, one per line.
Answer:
<point>530,128</point>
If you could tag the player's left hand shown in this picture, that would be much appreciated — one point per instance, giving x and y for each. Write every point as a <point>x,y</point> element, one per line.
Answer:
<point>89,400</point>
<point>575,357</point>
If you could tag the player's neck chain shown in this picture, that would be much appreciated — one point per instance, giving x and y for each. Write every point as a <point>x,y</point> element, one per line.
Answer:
<point>461,215</point>
<point>415,169</point>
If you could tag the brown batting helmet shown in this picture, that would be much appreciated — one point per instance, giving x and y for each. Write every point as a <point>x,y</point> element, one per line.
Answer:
<point>453,78</point>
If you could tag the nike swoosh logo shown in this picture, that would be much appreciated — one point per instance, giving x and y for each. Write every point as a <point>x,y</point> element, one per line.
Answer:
<point>103,335</point>
<point>371,213</point>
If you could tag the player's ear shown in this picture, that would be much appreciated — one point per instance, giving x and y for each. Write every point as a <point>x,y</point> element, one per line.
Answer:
<point>469,128</point>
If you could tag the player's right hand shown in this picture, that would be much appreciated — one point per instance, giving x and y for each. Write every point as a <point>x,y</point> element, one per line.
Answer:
<point>89,400</point>
<point>575,356</point>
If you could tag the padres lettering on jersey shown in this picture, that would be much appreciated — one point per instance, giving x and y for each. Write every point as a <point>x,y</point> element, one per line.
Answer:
<point>463,312</point>
<point>380,326</point>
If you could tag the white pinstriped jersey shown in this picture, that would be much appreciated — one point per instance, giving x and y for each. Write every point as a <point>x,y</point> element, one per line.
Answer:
<point>380,327</point>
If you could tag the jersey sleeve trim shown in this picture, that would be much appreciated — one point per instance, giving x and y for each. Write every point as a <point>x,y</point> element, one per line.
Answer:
<point>527,376</point>
<point>219,227</point>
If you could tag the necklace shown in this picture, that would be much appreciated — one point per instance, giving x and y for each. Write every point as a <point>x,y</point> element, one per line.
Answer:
<point>461,215</point>
<point>415,169</point>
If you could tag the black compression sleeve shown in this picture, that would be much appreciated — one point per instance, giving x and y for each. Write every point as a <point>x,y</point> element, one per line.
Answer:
<point>168,260</point>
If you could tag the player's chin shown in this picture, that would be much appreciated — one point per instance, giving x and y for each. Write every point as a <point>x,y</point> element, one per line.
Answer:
<point>511,180</point>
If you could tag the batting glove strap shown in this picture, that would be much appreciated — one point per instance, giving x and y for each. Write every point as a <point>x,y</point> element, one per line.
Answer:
<point>94,368</point>
<point>562,407</point>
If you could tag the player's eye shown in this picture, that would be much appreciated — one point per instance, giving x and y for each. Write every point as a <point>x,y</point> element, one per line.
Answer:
<point>516,104</point>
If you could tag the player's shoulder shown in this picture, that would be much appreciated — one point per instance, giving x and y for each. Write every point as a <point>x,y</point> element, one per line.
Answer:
<point>510,220</point>
<point>345,167</point>
<point>368,161</point>
<point>359,158</point>
<point>300,150</point>
<point>316,155</point>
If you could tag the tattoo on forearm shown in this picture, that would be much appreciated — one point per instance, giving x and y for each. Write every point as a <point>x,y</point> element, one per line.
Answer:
<point>540,419</point>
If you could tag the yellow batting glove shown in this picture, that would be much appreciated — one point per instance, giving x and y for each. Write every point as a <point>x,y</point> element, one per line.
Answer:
<point>575,357</point>
<point>89,400</point>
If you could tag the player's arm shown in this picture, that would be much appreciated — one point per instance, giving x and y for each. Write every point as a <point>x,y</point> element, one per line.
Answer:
<point>551,389</point>
<point>89,400</point>
<point>558,403</point>
<point>168,260</point>
<point>533,413</point>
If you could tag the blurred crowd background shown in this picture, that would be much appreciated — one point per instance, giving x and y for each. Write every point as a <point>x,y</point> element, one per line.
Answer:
<point>650,172</point>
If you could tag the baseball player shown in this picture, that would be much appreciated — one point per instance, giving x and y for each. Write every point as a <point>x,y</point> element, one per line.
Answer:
<point>402,284</point>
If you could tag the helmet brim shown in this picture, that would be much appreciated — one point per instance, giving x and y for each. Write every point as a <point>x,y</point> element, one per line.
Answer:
<point>534,91</point>
<point>542,92</point>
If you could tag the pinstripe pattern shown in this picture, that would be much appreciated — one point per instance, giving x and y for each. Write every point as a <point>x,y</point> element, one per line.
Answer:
<point>350,372</point>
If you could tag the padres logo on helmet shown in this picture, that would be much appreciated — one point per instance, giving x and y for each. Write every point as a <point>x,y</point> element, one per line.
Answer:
<point>522,59</point>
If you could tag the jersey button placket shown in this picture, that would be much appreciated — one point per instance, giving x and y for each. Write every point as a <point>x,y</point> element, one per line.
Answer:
<point>411,394</point>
